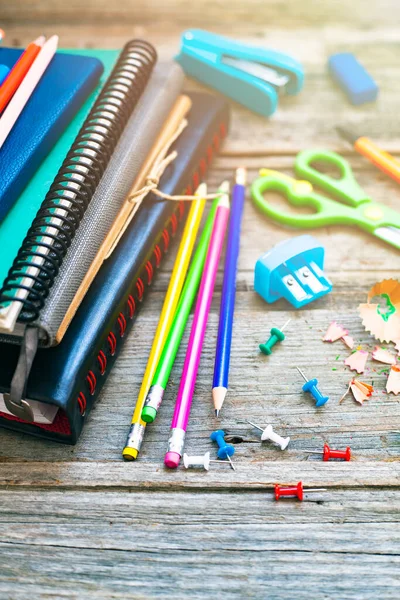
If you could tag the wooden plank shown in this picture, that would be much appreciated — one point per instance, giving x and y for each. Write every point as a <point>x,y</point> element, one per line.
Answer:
<point>251,474</point>
<point>77,544</point>
<point>86,574</point>
<point>53,508</point>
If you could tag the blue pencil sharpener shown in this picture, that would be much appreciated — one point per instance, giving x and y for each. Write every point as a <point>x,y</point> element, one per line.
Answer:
<point>292,269</point>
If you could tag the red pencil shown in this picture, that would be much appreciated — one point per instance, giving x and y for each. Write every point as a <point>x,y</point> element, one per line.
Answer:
<point>18,72</point>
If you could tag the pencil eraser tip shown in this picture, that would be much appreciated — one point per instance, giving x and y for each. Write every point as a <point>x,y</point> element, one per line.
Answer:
<point>130,453</point>
<point>171,460</point>
<point>148,414</point>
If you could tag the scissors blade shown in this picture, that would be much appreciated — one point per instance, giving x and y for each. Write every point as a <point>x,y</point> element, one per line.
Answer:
<point>389,234</point>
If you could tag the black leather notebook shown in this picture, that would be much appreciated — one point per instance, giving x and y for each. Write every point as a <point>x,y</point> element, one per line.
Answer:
<point>81,362</point>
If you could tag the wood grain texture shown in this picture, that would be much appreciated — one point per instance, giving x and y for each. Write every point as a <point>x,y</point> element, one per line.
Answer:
<point>252,473</point>
<point>228,546</point>
<point>77,522</point>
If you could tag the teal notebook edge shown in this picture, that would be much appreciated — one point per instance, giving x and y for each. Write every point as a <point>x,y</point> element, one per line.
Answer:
<point>16,224</point>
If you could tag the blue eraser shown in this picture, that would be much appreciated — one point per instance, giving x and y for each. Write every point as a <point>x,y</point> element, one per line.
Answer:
<point>354,80</point>
<point>4,71</point>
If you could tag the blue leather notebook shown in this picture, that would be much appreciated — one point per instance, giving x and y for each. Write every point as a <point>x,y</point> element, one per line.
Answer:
<point>64,87</point>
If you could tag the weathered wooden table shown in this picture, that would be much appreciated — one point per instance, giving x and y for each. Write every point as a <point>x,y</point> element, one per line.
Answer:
<point>78,522</point>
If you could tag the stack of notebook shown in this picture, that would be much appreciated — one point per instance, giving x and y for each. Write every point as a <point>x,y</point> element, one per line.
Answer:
<point>70,287</point>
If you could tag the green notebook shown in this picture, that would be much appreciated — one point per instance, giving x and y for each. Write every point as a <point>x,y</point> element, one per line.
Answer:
<point>18,220</point>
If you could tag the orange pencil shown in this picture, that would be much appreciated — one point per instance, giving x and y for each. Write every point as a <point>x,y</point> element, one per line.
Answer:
<point>18,72</point>
<point>381,159</point>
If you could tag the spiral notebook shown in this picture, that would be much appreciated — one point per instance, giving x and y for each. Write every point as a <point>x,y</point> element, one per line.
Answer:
<point>46,244</point>
<point>135,144</point>
<point>81,363</point>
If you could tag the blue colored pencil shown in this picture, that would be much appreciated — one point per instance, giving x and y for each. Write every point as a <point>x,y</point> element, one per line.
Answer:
<point>223,351</point>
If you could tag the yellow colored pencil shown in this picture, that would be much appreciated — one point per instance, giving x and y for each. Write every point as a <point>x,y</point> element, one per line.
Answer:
<point>136,432</point>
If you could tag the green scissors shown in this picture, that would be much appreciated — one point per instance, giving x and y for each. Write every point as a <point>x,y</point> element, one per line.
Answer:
<point>353,206</point>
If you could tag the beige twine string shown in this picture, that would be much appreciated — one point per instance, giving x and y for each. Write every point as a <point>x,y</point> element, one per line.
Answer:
<point>160,164</point>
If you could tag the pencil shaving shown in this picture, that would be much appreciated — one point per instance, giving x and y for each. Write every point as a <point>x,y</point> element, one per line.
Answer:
<point>345,394</point>
<point>335,332</point>
<point>357,361</point>
<point>391,287</point>
<point>393,382</point>
<point>348,340</point>
<point>383,356</point>
<point>382,319</point>
<point>360,390</point>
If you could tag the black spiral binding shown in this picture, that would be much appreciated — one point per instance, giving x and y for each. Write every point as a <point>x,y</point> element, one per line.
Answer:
<point>77,179</point>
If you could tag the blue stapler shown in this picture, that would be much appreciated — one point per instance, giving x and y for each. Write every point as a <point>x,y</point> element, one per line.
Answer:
<point>252,76</point>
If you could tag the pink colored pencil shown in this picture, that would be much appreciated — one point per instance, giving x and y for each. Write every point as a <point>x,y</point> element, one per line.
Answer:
<point>197,333</point>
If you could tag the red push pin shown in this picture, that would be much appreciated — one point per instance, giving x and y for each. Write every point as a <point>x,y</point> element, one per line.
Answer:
<point>328,453</point>
<point>294,490</point>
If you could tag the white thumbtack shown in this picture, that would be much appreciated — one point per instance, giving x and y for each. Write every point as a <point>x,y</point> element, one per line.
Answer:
<point>269,434</point>
<point>199,461</point>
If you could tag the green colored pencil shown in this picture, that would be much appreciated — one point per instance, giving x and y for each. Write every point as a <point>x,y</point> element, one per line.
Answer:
<point>167,359</point>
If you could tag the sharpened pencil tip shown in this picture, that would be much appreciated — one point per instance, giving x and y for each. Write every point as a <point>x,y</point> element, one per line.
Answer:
<point>218,395</point>
<point>241,176</point>
<point>224,187</point>
<point>40,41</point>
<point>53,40</point>
<point>224,201</point>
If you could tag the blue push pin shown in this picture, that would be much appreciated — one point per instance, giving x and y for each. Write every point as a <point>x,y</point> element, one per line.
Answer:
<point>225,450</point>
<point>311,386</point>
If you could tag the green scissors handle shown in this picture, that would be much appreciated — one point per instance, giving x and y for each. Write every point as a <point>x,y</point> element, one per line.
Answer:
<point>345,188</point>
<point>366,214</point>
